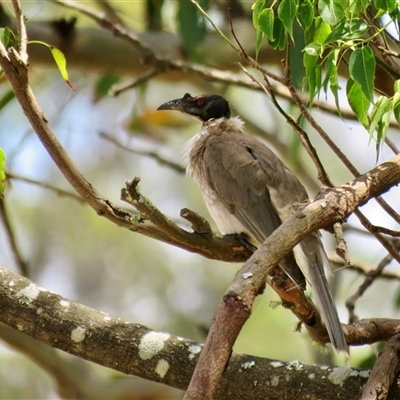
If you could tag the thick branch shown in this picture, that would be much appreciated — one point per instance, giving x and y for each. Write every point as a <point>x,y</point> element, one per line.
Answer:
<point>135,349</point>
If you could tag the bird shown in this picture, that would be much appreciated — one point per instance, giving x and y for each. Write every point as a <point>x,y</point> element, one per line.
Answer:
<point>247,188</point>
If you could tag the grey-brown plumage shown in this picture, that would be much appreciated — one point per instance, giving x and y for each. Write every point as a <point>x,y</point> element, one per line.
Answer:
<point>248,189</point>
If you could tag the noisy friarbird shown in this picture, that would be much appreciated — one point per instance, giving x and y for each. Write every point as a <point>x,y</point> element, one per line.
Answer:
<point>247,188</point>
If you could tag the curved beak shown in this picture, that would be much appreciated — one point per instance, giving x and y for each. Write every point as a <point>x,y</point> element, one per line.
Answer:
<point>176,104</point>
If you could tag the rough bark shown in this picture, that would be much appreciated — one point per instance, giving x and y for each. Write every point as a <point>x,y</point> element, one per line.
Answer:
<point>135,349</point>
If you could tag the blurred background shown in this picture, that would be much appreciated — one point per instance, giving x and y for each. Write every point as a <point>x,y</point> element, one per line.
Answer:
<point>70,250</point>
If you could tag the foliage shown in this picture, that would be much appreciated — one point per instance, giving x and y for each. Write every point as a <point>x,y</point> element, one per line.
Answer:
<point>337,34</point>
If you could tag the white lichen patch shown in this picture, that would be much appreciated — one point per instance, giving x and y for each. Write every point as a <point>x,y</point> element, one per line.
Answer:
<point>338,375</point>
<point>277,364</point>
<point>248,364</point>
<point>11,283</point>
<point>39,310</point>
<point>20,327</point>
<point>364,374</point>
<point>151,344</point>
<point>193,350</point>
<point>311,376</point>
<point>107,318</point>
<point>296,365</point>
<point>65,303</point>
<point>162,368</point>
<point>275,381</point>
<point>78,334</point>
<point>247,275</point>
<point>29,293</point>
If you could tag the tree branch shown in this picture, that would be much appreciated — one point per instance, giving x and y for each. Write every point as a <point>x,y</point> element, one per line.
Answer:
<point>160,357</point>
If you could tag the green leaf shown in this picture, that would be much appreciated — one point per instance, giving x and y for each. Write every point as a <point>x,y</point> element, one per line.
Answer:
<point>358,6</point>
<point>383,122</point>
<point>348,30</point>
<point>333,78</point>
<point>104,84</point>
<point>306,12</point>
<point>383,127</point>
<point>256,8</point>
<point>5,35</point>
<point>279,40</point>
<point>313,50</point>
<point>386,5</point>
<point>358,102</point>
<point>266,23</point>
<point>260,36</point>
<point>59,58</point>
<point>383,106</point>
<point>332,11</point>
<point>396,101</point>
<point>2,172</point>
<point>192,26</point>
<point>296,56</point>
<point>396,112</point>
<point>362,70</point>
<point>396,86</point>
<point>61,62</point>
<point>319,31</point>
<point>313,78</point>
<point>287,11</point>
<point>330,70</point>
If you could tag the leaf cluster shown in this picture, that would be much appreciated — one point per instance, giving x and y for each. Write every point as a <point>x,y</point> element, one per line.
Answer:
<point>337,34</point>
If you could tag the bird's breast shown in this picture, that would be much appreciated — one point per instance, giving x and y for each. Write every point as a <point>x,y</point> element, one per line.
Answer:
<point>194,161</point>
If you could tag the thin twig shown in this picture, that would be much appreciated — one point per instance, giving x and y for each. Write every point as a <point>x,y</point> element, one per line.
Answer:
<point>387,275</point>
<point>12,240</point>
<point>152,154</point>
<point>341,246</point>
<point>386,231</point>
<point>119,88</point>
<point>371,276</point>
<point>22,35</point>
<point>58,191</point>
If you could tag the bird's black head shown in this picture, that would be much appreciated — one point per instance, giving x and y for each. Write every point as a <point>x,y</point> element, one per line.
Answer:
<point>203,107</point>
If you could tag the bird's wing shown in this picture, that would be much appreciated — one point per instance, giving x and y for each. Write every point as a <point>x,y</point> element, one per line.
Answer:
<point>242,173</point>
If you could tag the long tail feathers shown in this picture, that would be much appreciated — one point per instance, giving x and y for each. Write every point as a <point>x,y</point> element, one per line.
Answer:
<point>311,258</point>
<point>327,308</point>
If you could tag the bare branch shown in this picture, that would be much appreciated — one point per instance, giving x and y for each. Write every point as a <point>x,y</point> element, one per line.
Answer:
<point>58,191</point>
<point>341,246</point>
<point>22,36</point>
<point>152,154</point>
<point>369,279</point>
<point>361,269</point>
<point>119,88</point>
<point>385,371</point>
<point>11,236</point>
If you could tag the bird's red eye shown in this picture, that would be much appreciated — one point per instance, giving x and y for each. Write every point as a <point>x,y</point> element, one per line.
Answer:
<point>200,101</point>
